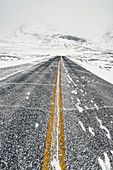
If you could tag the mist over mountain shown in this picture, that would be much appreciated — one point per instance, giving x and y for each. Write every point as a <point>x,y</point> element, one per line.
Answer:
<point>38,38</point>
<point>106,40</point>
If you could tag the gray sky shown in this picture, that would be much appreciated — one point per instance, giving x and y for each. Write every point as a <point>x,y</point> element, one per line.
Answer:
<point>83,18</point>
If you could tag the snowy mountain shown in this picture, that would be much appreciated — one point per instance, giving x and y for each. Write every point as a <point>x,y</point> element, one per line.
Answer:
<point>107,39</point>
<point>34,39</point>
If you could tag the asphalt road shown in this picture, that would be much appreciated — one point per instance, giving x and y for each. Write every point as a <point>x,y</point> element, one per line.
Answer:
<point>25,104</point>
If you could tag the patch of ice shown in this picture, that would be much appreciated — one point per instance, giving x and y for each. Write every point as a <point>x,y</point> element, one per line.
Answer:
<point>82,126</point>
<point>36,125</point>
<point>103,127</point>
<point>105,165</point>
<point>70,80</point>
<point>28,93</point>
<point>79,108</point>
<point>27,97</point>
<point>81,90</point>
<point>78,100</point>
<point>96,106</point>
<point>86,107</point>
<point>55,164</point>
<point>74,91</point>
<point>111,152</point>
<point>91,130</point>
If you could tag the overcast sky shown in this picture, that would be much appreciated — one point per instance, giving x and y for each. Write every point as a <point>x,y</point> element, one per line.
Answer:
<point>83,18</point>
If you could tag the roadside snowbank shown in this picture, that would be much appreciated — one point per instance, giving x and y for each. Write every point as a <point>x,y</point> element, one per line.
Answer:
<point>30,60</point>
<point>100,72</point>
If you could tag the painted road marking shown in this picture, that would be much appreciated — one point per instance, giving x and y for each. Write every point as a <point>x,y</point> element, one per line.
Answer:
<point>47,154</point>
<point>38,84</point>
<point>55,148</point>
<point>22,70</point>
<point>61,124</point>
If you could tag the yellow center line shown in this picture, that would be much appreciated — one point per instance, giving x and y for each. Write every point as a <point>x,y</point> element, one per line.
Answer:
<point>55,153</point>
<point>61,127</point>
<point>55,136</point>
<point>58,137</point>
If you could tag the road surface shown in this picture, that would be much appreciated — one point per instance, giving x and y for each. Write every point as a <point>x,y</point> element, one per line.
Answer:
<point>56,115</point>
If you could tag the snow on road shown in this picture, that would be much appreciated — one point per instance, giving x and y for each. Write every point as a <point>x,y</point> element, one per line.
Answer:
<point>82,126</point>
<point>105,164</point>
<point>91,130</point>
<point>27,60</point>
<point>104,128</point>
<point>22,64</point>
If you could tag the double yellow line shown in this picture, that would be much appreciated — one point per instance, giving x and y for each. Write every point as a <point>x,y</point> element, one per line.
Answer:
<point>59,124</point>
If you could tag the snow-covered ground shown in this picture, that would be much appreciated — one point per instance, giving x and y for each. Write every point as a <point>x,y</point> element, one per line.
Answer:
<point>100,64</point>
<point>8,61</point>
<point>38,42</point>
